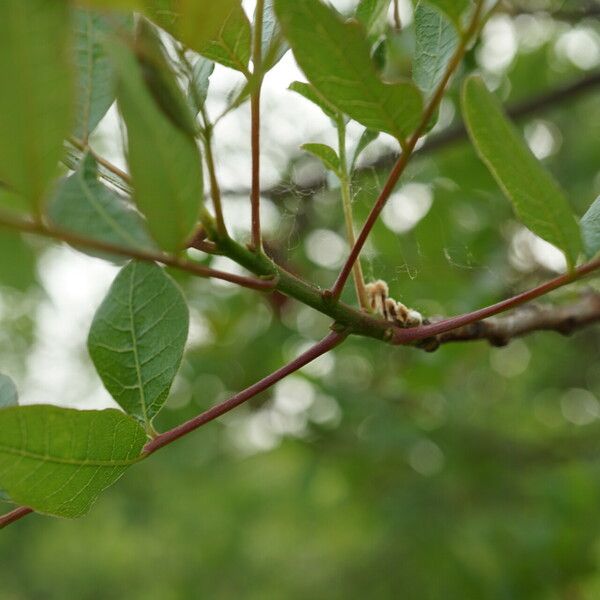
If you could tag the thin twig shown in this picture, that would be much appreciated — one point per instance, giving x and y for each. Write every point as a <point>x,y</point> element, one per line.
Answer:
<point>101,161</point>
<point>397,20</point>
<point>357,272</point>
<point>332,340</point>
<point>255,124</point>
<point>215,190</point>
<point>328,343</point>
<point>402,162</point>
<point>145,255</point>
<point>14,515</point>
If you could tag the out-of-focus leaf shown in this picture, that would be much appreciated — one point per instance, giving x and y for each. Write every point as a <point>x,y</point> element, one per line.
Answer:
<point>436,42</point>
<point>85,206</point>
<point>590,229</point>
<point>13,202</point>
<point>537,198</point>
<point>35,98</point>
<point>94,71</point>
<point>17,262</point>
<point>160,80</point>
<point>163,159</point>
<point>311,94</point>
<point>453,8</point>
<point>112,4</point>
<point>335,58</point>
<point>58,460</point>
<point>218,30</point>
<point>137,338</point>
<point>232,43</point>
<point>8,392</point>
<point>198,86</point>
<point>366,138</point>
<point>325,154</point>
<point>373,14</point>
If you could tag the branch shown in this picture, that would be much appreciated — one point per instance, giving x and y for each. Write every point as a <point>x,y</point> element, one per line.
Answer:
<point>407,336</point>
<point>148,256</point>
<point>325,345</point>
<point>328,343</point>
<point>407,151</point>
<point>14,515</point>
<point>564,319</point>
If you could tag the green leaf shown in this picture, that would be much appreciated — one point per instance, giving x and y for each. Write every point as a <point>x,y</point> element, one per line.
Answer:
<point>58,461</point>
<point>35,98</point>
<point>137,338</point>
<point>453,8</point>
<point>325,154</point>
<point>85,206</point>
<point>232,43</point>
<point>218,30</point>
<point>537,198</point>
<point>160,80</point>
<point>164,160</point>
<point>311,94</point>
<point>335,58</point>
<point>13,202</point>
<point>112,4</point>
<point>590,229</point>
<point>199,81</point>
<point>94,71</point>
<point>436,42</point>
<point>366,138</point>
<point>273,45</point>
<point>20,272</point>
<point>373,14</point>
<point>8,392</point>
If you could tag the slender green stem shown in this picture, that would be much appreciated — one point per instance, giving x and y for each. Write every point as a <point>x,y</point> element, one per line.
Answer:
<point>256,82</point>
<point>215,190</point>
<point>344,175</point>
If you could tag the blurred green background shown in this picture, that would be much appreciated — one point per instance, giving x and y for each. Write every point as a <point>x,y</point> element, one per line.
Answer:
<point>377,472</point>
